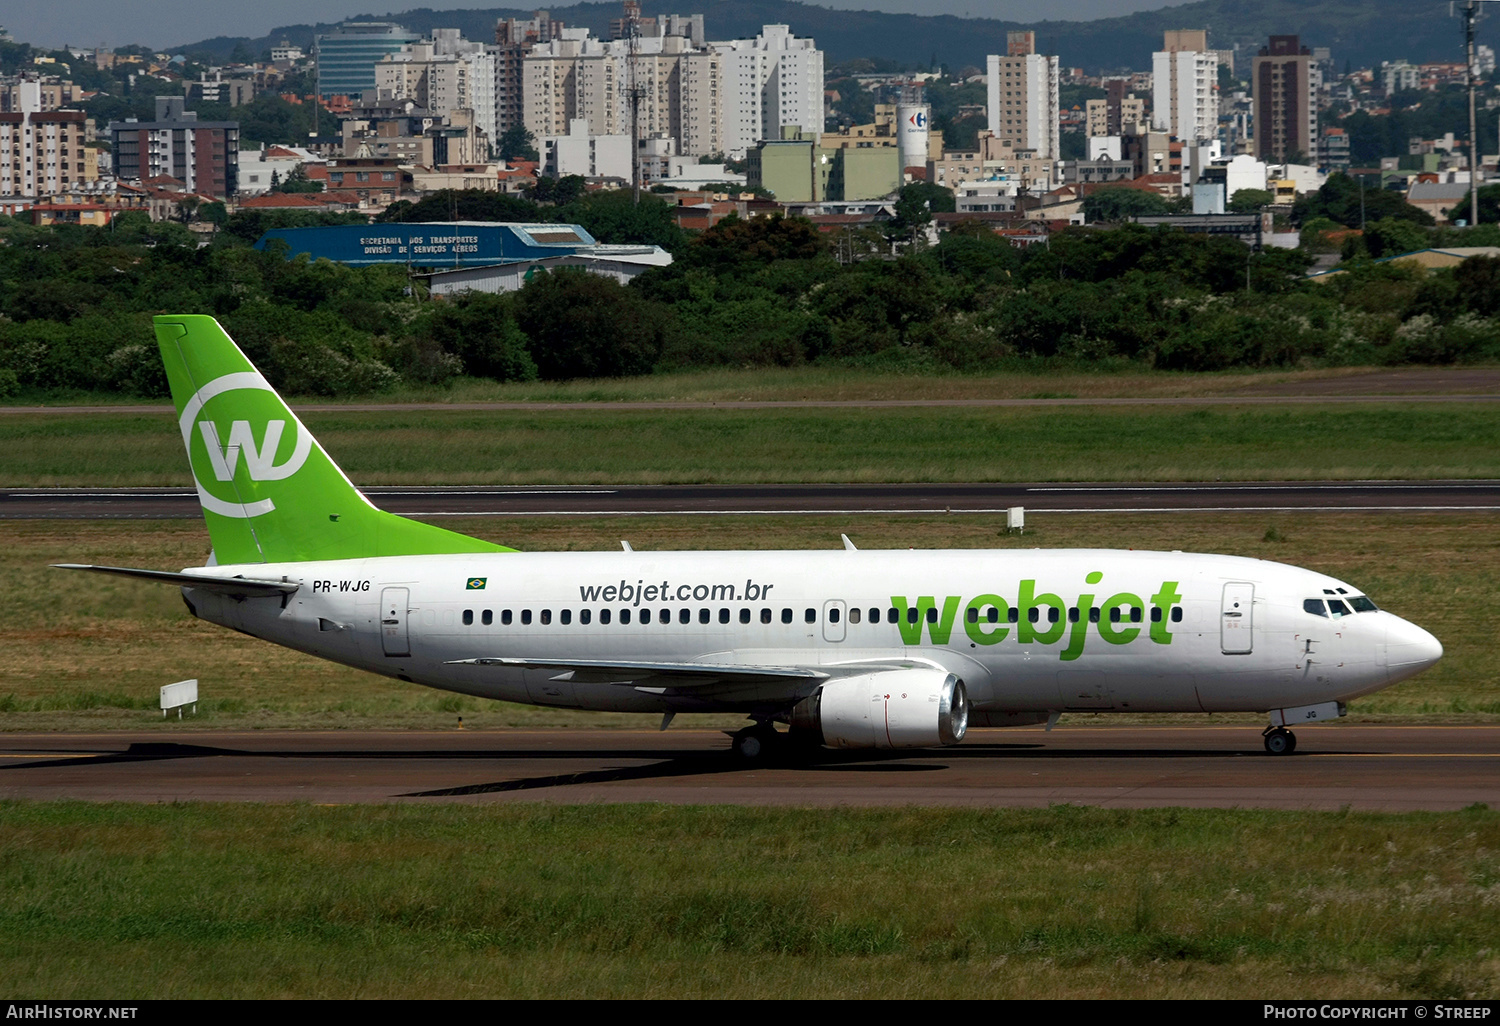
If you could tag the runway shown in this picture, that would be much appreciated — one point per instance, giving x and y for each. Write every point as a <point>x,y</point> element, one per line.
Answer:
<point>810,499</point>
<point>1363,767</point>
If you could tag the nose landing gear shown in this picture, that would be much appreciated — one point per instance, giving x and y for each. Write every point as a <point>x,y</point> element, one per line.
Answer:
<point>1279,740</point>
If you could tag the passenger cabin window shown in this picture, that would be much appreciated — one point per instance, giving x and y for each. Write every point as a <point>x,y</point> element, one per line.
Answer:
<point>786,616</point>
<point>704,616</point>
<point>1176,614</point>
<point>684,616</point>
<point>488,617</point>
<point>874,615</point>
<point>604,615</point>
<point>765,616</point>
<point>624,616</point>
<point>723,616</point>
<point>833,615</point>
<point>664,616</point>
<point>810,615</point>
<point>893,615</point>
<point>566,617</point>
<point>854,615</point>
<point>585,615</point>
<point>744,616</point>
<point>546,617</point>
<point>1315,607</point>
<point>505,617</point>
<point>526,616</point>
<point>468,617</point>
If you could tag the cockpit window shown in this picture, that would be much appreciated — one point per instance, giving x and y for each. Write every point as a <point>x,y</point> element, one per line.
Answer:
<point>1314,606</point>
<point>1362,604</point>
<point>1338,609</point>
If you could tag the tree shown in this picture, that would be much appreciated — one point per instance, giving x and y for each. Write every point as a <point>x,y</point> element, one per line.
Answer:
<point>516,143</point>
<point>1341,199</point>
<point>584,325</point>
<point>296,181</point>
<point>913,213</point>
<point>558,191</point>
<point>1248,201</point>
<point>1121,203</point>
<point>462,205</point>
<point>1390,236</point>
<point>734,243</point>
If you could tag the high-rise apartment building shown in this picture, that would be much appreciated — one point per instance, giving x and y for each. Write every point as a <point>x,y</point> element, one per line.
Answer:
<point>346,57</point>
<point>772,82</point>
<point>1184,86</point>
<point>1119,108</point>
<point>43,94</point>
<point>657,86</point>
<point>1023,99</point>
<point>513,41</point>
<point>203,155</point>
<point>444,74</point>
<point>42,151</point>
<point>1284,80</point>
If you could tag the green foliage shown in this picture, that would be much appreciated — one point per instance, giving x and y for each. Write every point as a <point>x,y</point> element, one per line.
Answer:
<point>1342,199</point>
<point>558,191</point>
<point>75,302</point>
<point>583,325</point>
<point>297,181</point>
<point>516,143</point>
<point>1390,236</point>
<point>1120,203</point>
<point>462,205</point>
<point>1248,201</point>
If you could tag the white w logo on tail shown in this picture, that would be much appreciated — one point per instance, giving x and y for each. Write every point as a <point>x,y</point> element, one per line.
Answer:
<point>259,462</point>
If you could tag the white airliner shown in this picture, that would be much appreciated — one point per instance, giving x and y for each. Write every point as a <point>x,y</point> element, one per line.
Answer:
<point>853,649</point>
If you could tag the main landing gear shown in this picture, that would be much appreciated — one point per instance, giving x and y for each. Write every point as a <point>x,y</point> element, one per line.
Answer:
<point>763,743</point>
<point>757,743</point>
<point>1279,740</point>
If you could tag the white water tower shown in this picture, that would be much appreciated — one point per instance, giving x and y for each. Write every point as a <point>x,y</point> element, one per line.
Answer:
<point>913,119</point>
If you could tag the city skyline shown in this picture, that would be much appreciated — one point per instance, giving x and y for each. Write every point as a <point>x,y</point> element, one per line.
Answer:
<point>112,23</point>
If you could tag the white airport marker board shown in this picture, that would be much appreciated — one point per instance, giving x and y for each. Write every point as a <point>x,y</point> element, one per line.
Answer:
<point>175,696</point>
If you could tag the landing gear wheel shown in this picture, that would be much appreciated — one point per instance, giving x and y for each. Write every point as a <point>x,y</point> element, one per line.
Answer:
<point>750,747</point>
<point>1280,741</point>
<point>757,744</point>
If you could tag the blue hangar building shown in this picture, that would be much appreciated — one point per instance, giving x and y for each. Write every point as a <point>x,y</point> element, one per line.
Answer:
<point>458,256</point>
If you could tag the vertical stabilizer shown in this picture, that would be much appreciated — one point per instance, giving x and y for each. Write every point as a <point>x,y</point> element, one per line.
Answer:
<point>269,492</point>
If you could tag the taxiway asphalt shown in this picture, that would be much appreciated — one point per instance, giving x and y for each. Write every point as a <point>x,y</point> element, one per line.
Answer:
<point>687,500</point>
<point>1364,767</point>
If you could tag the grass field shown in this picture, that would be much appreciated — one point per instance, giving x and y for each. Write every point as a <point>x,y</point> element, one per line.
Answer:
<point>86,653</point>
<point>1342,441</point>
<point>207,901</point>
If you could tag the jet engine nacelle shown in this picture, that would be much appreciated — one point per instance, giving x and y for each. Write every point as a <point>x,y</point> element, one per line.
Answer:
<point>889,709</point>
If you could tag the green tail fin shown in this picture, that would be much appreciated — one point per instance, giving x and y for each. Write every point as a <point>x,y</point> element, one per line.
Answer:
<point>270,494</point>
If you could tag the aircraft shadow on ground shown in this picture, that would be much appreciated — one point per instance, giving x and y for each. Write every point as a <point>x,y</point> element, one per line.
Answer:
<point>658,764</point>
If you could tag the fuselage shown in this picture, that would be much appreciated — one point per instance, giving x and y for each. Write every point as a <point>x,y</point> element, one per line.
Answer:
<point>1028,631</point>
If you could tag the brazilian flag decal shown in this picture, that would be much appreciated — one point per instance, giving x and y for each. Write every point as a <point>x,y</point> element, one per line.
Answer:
<point>477,583</point>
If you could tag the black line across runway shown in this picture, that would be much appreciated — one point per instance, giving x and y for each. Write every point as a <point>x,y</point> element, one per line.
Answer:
<point>648,500</point>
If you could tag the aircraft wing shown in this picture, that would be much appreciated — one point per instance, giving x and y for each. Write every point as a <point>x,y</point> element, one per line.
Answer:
<point>240,587</point>
<point>673,675</point>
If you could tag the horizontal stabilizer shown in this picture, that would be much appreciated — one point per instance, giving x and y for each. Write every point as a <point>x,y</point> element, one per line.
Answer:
<point>238,586</point>
<point>591,671</point>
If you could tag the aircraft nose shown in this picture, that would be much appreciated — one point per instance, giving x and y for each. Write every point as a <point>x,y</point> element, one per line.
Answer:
<point>1410,649</point>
